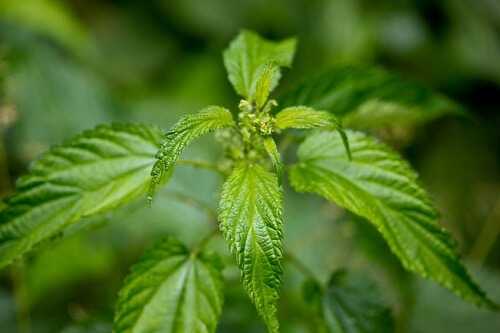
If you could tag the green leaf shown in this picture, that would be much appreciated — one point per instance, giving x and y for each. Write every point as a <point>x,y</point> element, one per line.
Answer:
<point>370,97</point>
<point>352,303</point>
<point>247,58</point>
<point>92,173</point>
<point>379,186</point>
<point>274,155</point>
<point>182,134</point>
<point>304,117</point>
<point>267,79</point>
<point>171,291</point>
<point>251,219</point>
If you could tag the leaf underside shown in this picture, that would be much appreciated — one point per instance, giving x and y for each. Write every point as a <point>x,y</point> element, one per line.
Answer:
<point>251,221</point>
<point>379,186</point>
<point>92,173</point>
<point>171,291</point>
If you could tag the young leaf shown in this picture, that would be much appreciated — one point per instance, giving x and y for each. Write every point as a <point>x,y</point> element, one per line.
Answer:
<point>352,304</point>
<point>92,173</point>
<point>379,186</point>
<point>304,117</point>
<point>274,155</point>
<point>370,97</point>
<point>251,220</point>
<point>267,78</point>
<point>171,291</point>
<point>247,57</point>
<point>182,134</point>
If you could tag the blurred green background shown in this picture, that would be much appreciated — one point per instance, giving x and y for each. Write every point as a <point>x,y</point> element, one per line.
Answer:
<point>68,65</point>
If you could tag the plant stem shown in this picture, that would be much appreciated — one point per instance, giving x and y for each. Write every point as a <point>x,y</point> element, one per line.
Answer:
<point>301,267</point>
<point>487,236</point>
<point>201,165</point>
<point>20,296</point>
<point>204,241</point>
<point>193,202</point>
<point>211,213</point>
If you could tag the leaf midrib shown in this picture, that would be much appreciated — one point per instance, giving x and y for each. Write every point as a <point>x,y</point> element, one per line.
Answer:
<point>158,287</point>
<point>382,216</point>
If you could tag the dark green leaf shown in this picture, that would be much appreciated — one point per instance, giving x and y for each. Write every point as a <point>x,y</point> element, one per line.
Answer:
<point>352,304</point>
<point>370,97</point>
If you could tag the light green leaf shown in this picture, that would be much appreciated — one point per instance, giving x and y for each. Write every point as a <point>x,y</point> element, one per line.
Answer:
<point>251,220</point>
<point>370,97</point>
<point>352,303</point>
<point>274,155</point>
<point>267,78</point>
<point>171,291</point>
<point>247,57</point>
<point>304,117</point>
<point>182,134</point>
<point>92,173</point>
<point>379,186</point>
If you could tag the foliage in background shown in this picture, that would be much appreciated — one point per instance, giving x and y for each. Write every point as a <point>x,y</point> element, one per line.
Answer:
<point>180,71</point>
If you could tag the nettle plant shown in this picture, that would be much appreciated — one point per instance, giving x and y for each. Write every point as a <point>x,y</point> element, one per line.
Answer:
<point>177,289</point>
